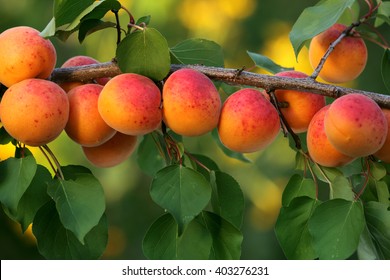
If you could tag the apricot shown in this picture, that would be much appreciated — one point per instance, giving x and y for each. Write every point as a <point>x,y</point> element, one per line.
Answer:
<point>248,121</point>
<point>25,54</point>
<point>302,106</point>
<point>131,104</point>
<point>113,152</point>
<point>85,125</point>
<point>384,152</point>
<point>355,125</point>
<point>34,111</point>
<point>348,59</point>
<point>191,103</point>
<point>80,60</point>
<point>318,145</point>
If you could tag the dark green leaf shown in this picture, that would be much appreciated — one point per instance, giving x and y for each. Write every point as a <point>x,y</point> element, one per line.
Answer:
<point>386,69</point>
<point>33,199</point>
<point>5,138</point>
<point>149,156</point>
<point>292,228</point>
<point>298,186</point>
<point>198,51</point>
<point>72,172</point>
<point>367,249</point>
<point>207,162</point>
<point>378,223</point>
<point>67,11</point>
<point>383,15</point>
<point>315,20</point>
<point>182,191</point>
<point>16,175</point>
<point>226,151</point>
<point>56,242</point>
<point>336,226</point>
<point>144,52</point>
<point>80,203</point>
<point>90,26</point>
<point>100,10</point>
<point>226,238</point>
<point>227,198</point>
<point>341,187</point>
<point>266,63</point>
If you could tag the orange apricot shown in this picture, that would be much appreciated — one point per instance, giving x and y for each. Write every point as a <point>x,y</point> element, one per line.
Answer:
<point>34,111</point>
<point>85,125</point>
<point>302,106</point>
<point>348,59</point>
<point>191,103</point>
<point>248,121</point>
<point>25,54</point>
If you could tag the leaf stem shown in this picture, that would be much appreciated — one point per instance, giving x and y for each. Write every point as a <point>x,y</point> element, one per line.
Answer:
<point>118,26</point>
<point>56,162</point>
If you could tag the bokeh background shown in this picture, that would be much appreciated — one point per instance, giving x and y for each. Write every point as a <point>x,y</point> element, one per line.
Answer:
<point>258,26</point>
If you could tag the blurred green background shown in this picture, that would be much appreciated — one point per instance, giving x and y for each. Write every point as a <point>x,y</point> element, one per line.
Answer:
<point>258,26</point>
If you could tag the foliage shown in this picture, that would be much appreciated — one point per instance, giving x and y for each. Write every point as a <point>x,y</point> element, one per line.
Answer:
<point>202,207</point>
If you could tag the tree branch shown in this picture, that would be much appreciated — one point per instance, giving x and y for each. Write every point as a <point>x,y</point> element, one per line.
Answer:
<point>230,76</point>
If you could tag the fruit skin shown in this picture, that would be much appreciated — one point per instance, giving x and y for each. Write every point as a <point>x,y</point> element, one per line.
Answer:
<point>191,103</point>
<point>346,62</point>
<point>318,145</point>
<point>355,125</point>
<point>248,121</point>
<point>34,111</point>
<point>113,152</point>
<point>130,103</point>
<point>302,105</point>
<point>85,125</point>
<point>80,60</point>
<point>384,152</point>
<point>25,54</point>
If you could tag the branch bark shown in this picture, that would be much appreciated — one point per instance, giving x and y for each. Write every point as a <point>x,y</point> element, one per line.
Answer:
<point>230,76</point>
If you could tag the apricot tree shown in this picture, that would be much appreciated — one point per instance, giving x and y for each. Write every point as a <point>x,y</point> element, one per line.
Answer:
<point>160,94</point>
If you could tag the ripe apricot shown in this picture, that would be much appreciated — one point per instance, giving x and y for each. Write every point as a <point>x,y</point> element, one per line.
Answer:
<point>34,111</point>
<point>130,103</point>
<point>355,125</point>
<point>348,59</point>
<point>113,152</point>
<point>191,103</point>
<point>25,54</point>
<point>248,121</point>
<point>318,145</point>
<point>85,125</point>
<point>384,152</point>
<point>302,106</point>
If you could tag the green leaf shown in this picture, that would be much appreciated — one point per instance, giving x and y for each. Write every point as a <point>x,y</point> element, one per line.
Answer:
<point>315,20</point>
<point>198,51</point>
<point>5,138</point>
<point>227,198</point>
<point>72,172</point>
<point>50,29</point>
<point>292,228</point>
<point>100,10</point>
<point>149,157</point>
<point>266,63</point>
<point>382,191</point>
<point>144,52</point>
<point>377,170</point>
<point>341,188</point>
<point>386,69</point>
<point>56,242</point>
<point>33,199</point>
<point>80,203</point>
<point>336,226</point>
<point>66,11</point>
<point>227,239</point>
<point>383,15</point>
<point>143,20</point>
<point>350,15</point>
<point>16,175</point>
<point>298,186</point>
<point>378,223</point>
<point>90,26</point>
<point>367,249</point>
<point>206,161</point>
<point>226,151</point>
<point>182,191</point>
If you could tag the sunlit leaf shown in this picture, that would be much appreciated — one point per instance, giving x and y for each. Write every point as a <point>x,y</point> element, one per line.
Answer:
<point>66,11</point>
<point>266,63</point>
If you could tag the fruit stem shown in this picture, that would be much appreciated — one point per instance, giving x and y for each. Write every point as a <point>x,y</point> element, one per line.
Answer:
<point>307,163</point>
<point>367,176</point>
<point>118,26</point>
<point>58,171</point>
<point>197,161</point>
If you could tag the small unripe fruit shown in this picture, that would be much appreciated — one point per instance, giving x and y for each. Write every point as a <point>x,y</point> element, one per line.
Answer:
<point>302,106</point>
<point>25,54</point>
<point>34,111</point>
<point>113,152</point>
<point>191,103</point>
<point>85,125</point>
<point>130,103</point>
<point>355,125</point>
<point>318,145</point>
<point>346,62</point>
<point>248,121</point>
